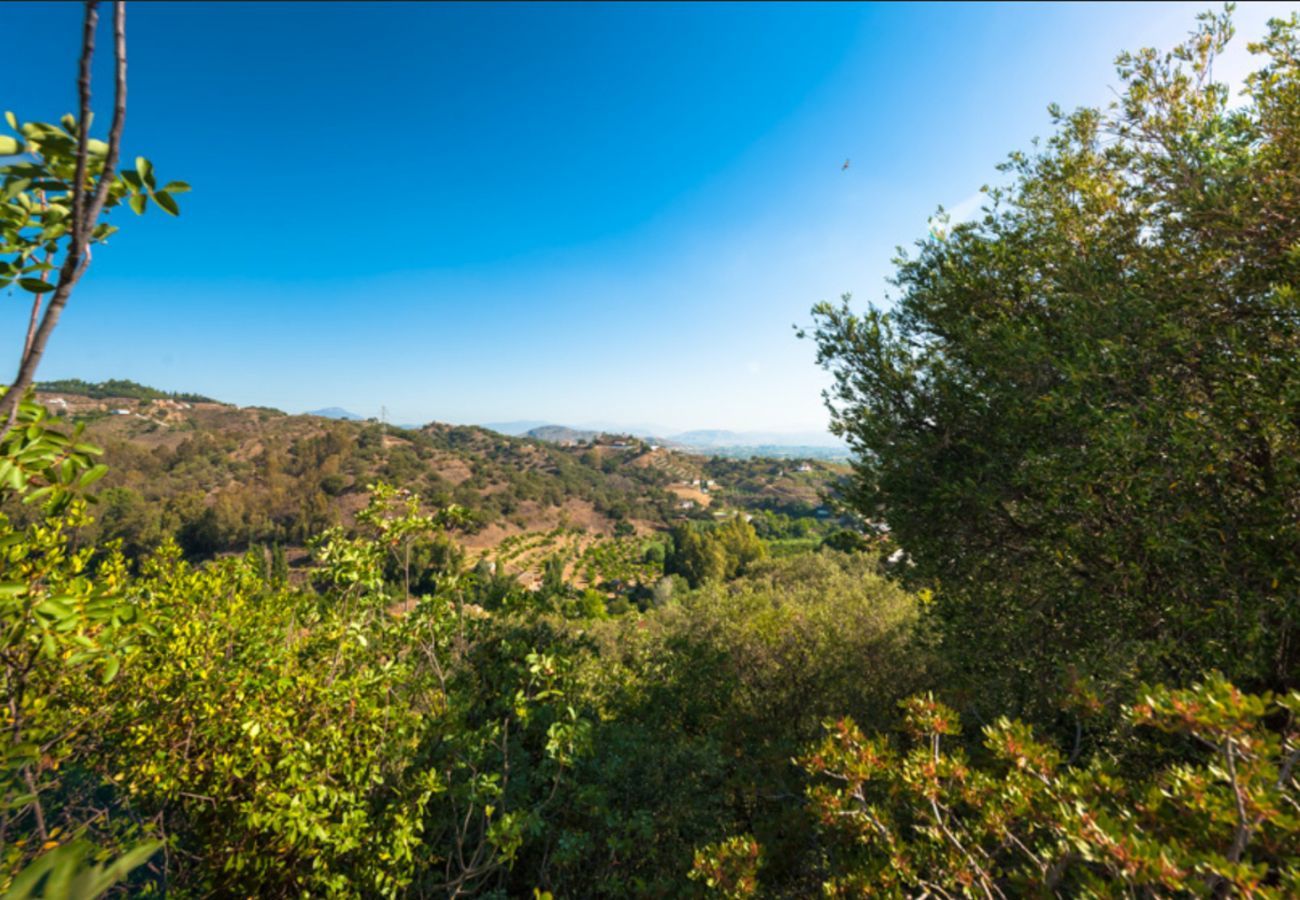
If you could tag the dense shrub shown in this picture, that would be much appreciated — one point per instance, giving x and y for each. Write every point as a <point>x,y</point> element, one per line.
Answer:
<point>699,707</point>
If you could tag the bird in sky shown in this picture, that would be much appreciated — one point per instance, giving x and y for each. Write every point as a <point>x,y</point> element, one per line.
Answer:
<point>845,167</point>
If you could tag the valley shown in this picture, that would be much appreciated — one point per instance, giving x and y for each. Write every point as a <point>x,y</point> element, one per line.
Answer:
<point>221,478</point>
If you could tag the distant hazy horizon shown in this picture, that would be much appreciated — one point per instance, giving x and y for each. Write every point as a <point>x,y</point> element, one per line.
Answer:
<point>720,437</point>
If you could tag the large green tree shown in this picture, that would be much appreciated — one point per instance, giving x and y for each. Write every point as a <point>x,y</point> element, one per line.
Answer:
<point>1080,419</point>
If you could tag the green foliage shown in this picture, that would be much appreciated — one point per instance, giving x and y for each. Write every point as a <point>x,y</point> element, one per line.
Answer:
<point>1078,420</point>
<point>695,556</point>
<point>36,196</point>
<point>1078,425</point>
<point>591,605</point>
<point>730,867</point>
<point>665,589</point>
<point>553,575</point>
<point>1018,820</point>
<point>129,521</point>
<point>39,463</point>
<point>65,631</point>
<point>279,574</point>
<point>698,707</point>
<point>713,554</point>
<point>280,740</point>
<point>621,563</point>
<point>63,872</point>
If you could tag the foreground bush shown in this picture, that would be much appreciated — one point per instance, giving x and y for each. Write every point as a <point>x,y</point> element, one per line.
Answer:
<point>1015,819</point>
<point>275,740</point>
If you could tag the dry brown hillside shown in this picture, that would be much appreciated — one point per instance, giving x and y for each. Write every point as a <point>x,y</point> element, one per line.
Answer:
<point>219,477</point>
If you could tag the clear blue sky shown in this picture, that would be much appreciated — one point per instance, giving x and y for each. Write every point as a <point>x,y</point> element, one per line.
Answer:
<point>571,213</point>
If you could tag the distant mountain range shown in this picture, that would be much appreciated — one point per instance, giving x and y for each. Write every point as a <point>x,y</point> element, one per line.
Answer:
<point>714,441</point>
<point>514,429</point>
<point>717,442</point>
<point>334,412</point>
<point>721,438</point>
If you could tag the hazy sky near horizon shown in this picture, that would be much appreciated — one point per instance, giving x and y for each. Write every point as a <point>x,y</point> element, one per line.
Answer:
<point>573,213</point>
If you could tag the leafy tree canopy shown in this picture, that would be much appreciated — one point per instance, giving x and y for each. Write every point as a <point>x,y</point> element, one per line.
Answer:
<point>1078,419</point>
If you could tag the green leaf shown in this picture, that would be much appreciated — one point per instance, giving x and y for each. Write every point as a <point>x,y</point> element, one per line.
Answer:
<point>176,187</point>
<point>54,607</point>
<point>38,494</point>
<point>10,146</point>
<point>14,188</point>
<point>111,667</point>
<point>138,202</point>
<point>144,169</point>
<point>12,120</point>
<point>164,199</point>
<point>94,474</point>
<point>67,871</point>
<point>61,860</point>
<point>35,285</point>
<point>131,859</point>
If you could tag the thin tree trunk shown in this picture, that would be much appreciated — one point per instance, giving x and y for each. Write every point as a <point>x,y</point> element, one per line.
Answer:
<point>31,325</point>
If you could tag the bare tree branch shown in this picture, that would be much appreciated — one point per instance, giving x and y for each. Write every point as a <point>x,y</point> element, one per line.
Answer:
<point>83,123</point>
<point>115,129</point>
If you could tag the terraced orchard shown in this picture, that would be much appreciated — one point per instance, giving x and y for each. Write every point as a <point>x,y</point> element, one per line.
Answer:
<point>613,564</point>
